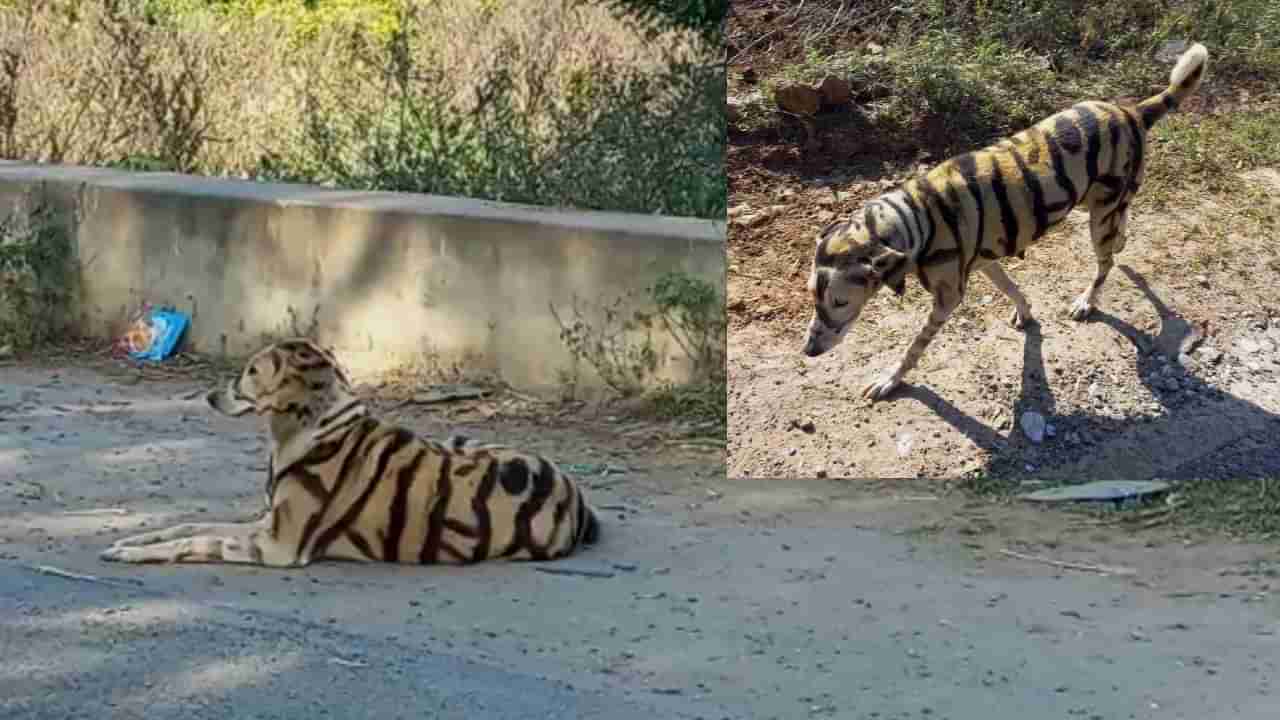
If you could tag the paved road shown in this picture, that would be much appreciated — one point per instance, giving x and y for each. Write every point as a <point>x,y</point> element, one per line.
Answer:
<point>74,649</point>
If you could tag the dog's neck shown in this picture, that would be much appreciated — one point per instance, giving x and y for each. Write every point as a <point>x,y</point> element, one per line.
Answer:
<point>295,431</point>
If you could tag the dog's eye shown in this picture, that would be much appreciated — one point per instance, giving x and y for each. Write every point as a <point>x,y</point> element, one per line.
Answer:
<point>839,303</point>
<point>253,370</point>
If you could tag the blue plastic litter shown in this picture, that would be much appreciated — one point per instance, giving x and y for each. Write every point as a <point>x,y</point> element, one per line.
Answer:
<point>167,328</point>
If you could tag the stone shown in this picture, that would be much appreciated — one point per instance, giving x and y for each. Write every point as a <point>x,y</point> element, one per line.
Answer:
<point>1102,490</point>
<point>835,91</point>
<point>1033,426</point>
<point>798,99</point>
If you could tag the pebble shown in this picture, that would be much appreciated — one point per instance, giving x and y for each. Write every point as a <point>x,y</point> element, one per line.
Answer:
<point>1033,426</point>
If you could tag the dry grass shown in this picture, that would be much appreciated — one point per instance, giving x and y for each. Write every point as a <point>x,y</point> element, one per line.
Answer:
<point>216,92</point>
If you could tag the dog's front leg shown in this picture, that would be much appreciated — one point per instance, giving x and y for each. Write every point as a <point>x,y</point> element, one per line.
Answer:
<point>945,301</point>
<point>272,541</point>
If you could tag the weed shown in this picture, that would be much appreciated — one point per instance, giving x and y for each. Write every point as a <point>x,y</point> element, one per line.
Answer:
<point>38,278</point>
<point>618,344</point>
<point>1243,508</point>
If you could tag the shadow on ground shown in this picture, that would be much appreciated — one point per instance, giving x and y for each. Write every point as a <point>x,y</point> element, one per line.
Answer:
<point>1170,446</point>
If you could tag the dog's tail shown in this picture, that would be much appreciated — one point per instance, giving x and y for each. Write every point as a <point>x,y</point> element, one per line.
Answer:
<point>1183,81</point>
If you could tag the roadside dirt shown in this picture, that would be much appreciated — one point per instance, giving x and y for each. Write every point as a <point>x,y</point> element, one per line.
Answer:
<point>1176,375</point>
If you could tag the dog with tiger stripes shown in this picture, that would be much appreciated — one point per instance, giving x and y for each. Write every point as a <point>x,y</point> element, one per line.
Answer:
<point>344,484</point>
<point>972,210</point>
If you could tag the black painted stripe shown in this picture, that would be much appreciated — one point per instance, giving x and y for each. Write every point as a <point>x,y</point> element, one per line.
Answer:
<point>399,510</point>
<point>399,439</point>
<point>458,527</point>
<point>480,506</point>
<point>921,215</point>
<point>554,548</point>
<point>907,227</point>
<point>1008,220</point>
<point>354,537</point>
<point>354,441</point>
<point>1060,171</point>
<point>1092,129</point>
<point>1067,134</point>
<point>1037,194</point>
<point>453,552</point>
<point>944,209</point>
<point>581,535</point>
<point>436,517</point>
<point>543,485</point>
<point>333,415</point>
<point>1137,138</point>
<point>968,166</point>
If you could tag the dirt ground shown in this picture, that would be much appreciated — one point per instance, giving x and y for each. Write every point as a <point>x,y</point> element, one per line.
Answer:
<point>706,598</point>
<point>1176,374</point>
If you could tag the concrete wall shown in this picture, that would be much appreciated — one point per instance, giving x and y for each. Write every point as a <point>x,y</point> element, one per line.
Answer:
<point>388,279</point>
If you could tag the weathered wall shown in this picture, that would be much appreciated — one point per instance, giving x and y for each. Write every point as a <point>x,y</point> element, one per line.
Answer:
<point>387,278</point>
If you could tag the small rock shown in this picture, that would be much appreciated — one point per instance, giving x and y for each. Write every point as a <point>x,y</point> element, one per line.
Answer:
<point>905,442</point>
<point>798,99</point>
<point>875,48</point>
<point>1211,355</point>
<point>739,210</point>
<point>1033,426</point>
<point>793,451</point>
<point>749,76</point>
<point>1247,346</point>
<point>822,474</point>
<point>824,217</point>
<point>1171,51</point>
<point>1094,389</point>
<point>1204,281</point>
<point>835,91</point>
<point>808,426</point>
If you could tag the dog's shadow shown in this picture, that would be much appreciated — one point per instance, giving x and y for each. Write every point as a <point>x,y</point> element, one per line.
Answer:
<point>1162,369</point>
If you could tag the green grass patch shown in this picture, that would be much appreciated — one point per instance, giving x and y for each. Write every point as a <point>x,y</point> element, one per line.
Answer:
<point>1209,151</point>
<point>1246,509</point>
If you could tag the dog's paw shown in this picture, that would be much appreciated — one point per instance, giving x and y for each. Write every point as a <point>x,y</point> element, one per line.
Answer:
<point>1081,309</point>
<point>150,538</point>
<point>1020,319</point>
<point>880,389</point>
<point>115,553</point>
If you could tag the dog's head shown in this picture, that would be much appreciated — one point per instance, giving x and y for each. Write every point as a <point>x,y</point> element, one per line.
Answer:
<point>294,377</point>
<point>852,262</point>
